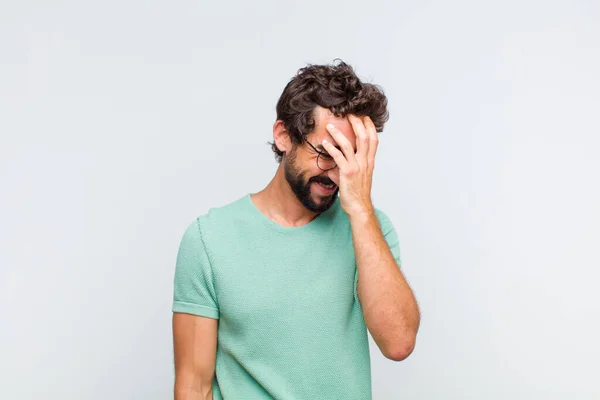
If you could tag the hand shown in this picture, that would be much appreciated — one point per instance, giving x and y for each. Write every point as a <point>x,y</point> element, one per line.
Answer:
<point>355,170</point>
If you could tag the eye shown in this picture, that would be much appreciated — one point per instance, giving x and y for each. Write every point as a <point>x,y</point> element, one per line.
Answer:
<point>326,156</point>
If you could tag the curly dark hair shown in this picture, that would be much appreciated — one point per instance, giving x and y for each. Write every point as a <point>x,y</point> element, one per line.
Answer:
<point>335,87</point>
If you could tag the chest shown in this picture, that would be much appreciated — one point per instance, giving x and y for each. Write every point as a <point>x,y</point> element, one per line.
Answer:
<point>273,285</point>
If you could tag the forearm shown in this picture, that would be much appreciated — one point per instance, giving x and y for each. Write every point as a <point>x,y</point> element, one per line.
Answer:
<point>389,307</point>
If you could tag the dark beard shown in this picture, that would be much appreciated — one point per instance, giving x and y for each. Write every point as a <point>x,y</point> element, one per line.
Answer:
<point>301,187</point>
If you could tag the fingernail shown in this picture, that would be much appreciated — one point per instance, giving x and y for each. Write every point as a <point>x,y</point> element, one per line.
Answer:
<point>329,126</point>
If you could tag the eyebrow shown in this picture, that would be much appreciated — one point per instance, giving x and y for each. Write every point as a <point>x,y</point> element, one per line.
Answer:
<point>321,148</point>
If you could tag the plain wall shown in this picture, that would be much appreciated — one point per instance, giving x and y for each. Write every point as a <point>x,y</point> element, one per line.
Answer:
<point>121,121</point>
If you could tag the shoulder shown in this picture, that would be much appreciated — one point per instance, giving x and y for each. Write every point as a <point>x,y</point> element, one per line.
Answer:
<point>215,220</point>
<point>223,214</point>
<point>382,217</point>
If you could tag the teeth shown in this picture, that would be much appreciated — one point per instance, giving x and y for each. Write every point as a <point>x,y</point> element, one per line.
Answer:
<point>326,186</point>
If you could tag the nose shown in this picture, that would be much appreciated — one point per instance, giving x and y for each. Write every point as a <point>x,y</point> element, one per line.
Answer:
<point>334,175</point>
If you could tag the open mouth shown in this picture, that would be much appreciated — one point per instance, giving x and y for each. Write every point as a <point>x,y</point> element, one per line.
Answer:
<point>326,187</point>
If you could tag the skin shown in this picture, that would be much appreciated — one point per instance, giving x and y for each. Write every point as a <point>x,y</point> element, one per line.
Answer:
<point>291,199</point>
<point>195,353</point>
<point>277,200</point>
<point>390,309</point>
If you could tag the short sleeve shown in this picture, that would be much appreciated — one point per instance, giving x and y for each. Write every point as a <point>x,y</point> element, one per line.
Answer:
<point>391,237</point>
<point>194,291</point>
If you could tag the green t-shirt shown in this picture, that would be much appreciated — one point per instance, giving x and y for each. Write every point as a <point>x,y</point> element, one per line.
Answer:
<point>290,323</point>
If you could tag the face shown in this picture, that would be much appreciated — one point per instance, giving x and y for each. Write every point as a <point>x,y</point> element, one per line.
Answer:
<point>302,171</point>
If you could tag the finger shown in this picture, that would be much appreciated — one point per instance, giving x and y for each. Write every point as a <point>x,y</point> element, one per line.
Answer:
<point>344,143</point>
<point>337,155</point>
<point>362,138</point>
<point>373,139</point>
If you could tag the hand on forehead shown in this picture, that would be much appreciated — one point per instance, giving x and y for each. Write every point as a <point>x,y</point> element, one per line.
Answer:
<point>323,117</point>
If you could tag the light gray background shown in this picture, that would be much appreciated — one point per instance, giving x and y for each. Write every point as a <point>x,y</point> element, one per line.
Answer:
<point>121,121</point>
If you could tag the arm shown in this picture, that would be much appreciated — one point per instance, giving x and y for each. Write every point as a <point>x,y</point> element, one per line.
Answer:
<point>195,318</point>
<point>389,307</point>
<point>195,345</point>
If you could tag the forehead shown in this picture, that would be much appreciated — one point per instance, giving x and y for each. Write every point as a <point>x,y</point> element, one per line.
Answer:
<point>323,117</point>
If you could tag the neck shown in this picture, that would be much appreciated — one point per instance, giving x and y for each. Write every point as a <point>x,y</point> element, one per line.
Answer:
<point>278,202</point>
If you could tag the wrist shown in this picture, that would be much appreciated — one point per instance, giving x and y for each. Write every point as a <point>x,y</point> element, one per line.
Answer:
<point>361,214</point>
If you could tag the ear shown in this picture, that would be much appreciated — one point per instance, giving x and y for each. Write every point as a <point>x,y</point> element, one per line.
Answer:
<point>281,137</point>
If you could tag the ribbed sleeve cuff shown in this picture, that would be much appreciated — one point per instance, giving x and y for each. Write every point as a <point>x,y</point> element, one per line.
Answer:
<point>189,308</point>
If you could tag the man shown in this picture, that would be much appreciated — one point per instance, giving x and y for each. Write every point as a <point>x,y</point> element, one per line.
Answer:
<point>275,291</point>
